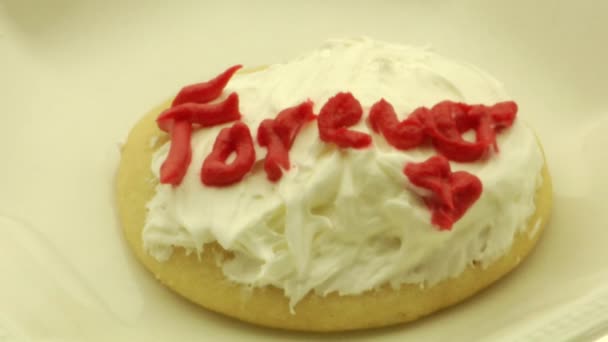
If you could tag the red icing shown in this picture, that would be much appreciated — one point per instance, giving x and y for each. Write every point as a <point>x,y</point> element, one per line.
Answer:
<point>339,112</point>
<point>190,107</point>
<point>402,135</point>
<point>236,139</point>
<point>447,121</point>
<point>277,155</point>
<point>203,114</point>
<point>493,119</point>
<point>289,121</point>
<point>205,91</point>
<point>278,135</point>
<point>453,193</point>
<point>175,166</point>
<point>444,124</point>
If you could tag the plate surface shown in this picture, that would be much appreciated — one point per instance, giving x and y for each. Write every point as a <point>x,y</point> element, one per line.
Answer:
<point>76,75</point>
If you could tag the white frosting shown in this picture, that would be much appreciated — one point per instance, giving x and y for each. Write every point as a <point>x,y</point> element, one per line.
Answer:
<point>347,220</point>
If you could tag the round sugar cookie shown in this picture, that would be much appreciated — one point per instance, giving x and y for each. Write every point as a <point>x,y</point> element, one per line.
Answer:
<point>202,281</point>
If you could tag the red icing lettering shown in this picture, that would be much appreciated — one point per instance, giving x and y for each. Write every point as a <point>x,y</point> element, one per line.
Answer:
<point>278,135</point>
<point>453,193</point>
<point>447,120</point>
<point>175,166</point>
<point>402,135</point>
<point>236,139</point>
<point>492,120</point>
<point>441,125</point>
<point>203,114</point>
<point>205,91</point>
<point>289,121</point>
<point>190,107</point>
<point>338,113</point>
<point>277,154</point>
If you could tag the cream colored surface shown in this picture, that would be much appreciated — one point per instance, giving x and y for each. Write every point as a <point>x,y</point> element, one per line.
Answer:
<point>203,282</point>
<point>85,71</point>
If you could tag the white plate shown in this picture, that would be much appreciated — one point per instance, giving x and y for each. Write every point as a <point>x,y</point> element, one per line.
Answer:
<point>75,75</point>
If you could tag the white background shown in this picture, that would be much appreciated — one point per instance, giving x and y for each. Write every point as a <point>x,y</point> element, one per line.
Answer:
<point>76,75</point>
